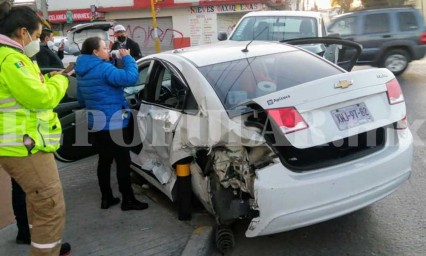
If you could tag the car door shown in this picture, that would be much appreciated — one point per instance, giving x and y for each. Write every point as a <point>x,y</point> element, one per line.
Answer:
<point>343,53</point>
<point>76,140</point>
<point>376,29</point>
<point>163,100</point>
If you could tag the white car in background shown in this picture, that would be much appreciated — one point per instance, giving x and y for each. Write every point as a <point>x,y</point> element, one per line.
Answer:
<point>277,26</point>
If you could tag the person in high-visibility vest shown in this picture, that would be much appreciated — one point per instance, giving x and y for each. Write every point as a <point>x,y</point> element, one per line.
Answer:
<point>29,129</point>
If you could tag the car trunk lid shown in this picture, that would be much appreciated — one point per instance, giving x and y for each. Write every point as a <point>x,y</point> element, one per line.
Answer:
<point>362,104</point>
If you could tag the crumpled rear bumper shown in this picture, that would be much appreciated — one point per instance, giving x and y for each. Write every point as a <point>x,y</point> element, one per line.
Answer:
<point>288,200</point>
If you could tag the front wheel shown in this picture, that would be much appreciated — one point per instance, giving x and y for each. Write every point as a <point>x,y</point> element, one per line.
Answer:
<point>396,61</point>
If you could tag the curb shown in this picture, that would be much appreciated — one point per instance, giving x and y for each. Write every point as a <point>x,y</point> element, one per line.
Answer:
<point>200,243</point>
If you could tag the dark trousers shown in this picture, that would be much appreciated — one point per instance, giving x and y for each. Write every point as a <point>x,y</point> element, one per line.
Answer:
<point>108,146</point>
<point>20,209</point>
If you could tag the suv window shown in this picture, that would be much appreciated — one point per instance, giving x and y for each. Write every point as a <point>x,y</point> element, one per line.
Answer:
<point>377,23</point>
<point>407,21</point>
<point>345,26</point>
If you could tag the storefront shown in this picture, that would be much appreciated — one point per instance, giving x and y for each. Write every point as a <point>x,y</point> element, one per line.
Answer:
<point>177,25</point>
<point>62,21</point>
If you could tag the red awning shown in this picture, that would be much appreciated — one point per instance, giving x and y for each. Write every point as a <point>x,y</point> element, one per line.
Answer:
<point>77,15</point>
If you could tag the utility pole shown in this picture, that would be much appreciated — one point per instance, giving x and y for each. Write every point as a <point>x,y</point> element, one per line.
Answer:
<point>154,24</point>
<point>42,8</point>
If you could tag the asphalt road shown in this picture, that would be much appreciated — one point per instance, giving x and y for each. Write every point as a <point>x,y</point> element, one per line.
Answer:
<point>395,226</point>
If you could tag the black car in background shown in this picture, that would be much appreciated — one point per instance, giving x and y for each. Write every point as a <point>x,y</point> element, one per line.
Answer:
<point>391,37</point>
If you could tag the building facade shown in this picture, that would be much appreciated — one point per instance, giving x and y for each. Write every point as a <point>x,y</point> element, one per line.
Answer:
<point>181,23</point>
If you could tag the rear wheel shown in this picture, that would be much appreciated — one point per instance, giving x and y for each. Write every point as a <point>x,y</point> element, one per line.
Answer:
<point>396,61</point>
<point>225,240</point>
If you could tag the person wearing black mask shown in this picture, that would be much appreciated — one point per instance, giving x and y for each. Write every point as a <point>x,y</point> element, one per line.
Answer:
<point>123,42</point>
<point>47,57</point>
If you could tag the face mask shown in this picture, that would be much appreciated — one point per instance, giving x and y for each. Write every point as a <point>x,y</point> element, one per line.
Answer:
<point>50,44</point>
<point>121,39</point>
<point>32,48</point>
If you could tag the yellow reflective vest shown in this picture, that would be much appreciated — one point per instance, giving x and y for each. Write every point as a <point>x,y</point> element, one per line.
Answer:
<point>27,98</point>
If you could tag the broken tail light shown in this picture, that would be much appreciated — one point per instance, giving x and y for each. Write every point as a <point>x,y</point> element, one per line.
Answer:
<point>402,124</point>
<point>394,92</point>
<point>288,119</point>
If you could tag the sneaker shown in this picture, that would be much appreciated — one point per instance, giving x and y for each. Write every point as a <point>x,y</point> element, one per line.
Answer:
<point>133,204</point>
<point>65,249</point>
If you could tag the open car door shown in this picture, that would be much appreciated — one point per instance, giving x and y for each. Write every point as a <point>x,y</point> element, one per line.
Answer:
<point>72,120</point>
<point>343,53</point>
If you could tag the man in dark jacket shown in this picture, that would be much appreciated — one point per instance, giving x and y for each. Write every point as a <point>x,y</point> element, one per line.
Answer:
<point>123,42</point>
<point>47,58</point>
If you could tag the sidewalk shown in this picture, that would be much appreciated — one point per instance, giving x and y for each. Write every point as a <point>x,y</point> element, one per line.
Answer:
<point>93,231</point>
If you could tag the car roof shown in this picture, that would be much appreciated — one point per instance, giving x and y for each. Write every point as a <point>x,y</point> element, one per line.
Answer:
<point>377,10</point>
<point>284,13</point>
<point>225,51</point>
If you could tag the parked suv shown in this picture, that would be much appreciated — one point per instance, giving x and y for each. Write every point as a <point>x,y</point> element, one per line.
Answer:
<point>391,37</point>
<point>276,26</point>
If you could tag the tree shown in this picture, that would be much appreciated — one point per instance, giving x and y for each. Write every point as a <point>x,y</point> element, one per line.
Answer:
<point>344,4</point>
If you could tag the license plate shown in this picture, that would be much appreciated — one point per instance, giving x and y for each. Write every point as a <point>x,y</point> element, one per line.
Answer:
<point>351,116</point>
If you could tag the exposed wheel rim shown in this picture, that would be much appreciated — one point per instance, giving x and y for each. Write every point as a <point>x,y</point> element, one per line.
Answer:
<point>396,62</point>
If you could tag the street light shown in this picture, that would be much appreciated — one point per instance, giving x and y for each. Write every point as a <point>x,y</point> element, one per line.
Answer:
<point>154,24</point>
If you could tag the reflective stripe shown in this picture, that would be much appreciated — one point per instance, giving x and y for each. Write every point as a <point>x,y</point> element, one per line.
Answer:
<point>8,100</point>
<point>52,136</point>
<point>46,246</point>
<point>14,107</point>
<point>11,144</point>
<point>10,136</point>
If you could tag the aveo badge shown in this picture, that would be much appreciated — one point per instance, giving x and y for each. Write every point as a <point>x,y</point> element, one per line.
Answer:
<point>343,84</point>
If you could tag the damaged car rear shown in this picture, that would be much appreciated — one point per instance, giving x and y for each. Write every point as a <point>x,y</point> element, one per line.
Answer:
<point>269,132</point>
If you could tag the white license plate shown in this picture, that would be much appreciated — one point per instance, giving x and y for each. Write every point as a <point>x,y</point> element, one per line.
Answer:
<point>351,116</point>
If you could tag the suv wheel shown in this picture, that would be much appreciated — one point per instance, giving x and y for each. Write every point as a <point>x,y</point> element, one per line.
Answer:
<point>396,61</point>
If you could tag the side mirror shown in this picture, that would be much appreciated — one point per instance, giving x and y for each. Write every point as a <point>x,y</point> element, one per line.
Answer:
<point>222,36</point>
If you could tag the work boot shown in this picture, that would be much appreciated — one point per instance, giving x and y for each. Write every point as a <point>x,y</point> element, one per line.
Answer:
<point>133,204</point>
<point>65,249</point>
<point>110,201</point>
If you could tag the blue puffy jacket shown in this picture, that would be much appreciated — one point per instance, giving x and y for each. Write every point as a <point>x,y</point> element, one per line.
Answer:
<point>100,90</point>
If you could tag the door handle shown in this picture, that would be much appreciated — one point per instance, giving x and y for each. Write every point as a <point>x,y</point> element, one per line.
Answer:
<point>386,36</point>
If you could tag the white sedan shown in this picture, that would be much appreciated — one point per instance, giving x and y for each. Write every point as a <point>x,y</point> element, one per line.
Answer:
<point>271,133</point>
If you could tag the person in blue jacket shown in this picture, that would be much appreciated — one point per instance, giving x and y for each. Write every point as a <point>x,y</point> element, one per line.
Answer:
<point>100,90</point>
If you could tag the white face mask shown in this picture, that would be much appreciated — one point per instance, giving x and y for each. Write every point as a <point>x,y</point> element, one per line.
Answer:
<point>50,44</point>
<point>32,48</point>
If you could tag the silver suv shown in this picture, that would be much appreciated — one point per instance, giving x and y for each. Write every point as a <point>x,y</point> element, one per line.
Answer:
<point>391,37</point>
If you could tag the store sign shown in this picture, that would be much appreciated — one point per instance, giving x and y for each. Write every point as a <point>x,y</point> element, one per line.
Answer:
<point>77,15</point>
<point>226,8</point>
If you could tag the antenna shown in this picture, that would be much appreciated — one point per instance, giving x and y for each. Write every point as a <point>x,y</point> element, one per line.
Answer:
<point>264,27</point>
<point>245,49</point>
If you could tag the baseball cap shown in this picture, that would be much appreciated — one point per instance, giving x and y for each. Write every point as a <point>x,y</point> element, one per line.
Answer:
<point>119,28</point>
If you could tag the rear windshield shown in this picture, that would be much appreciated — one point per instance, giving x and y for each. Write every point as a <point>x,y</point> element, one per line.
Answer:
<point>241,80</point>
<point>275,28</point>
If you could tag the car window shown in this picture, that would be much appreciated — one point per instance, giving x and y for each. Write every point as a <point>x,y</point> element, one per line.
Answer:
<point>344,26</point>
<point>376,23</point>
<point>407,21</point>
<point>241,80</point>
<point>275,28</point>
<point>166,89</point>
